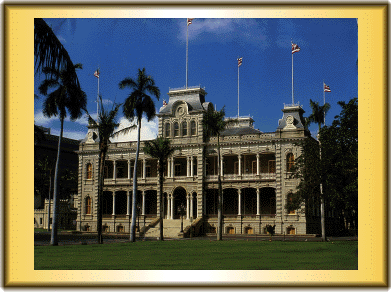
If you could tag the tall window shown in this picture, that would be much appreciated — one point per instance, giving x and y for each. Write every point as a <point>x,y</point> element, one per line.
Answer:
<point>168,130</point>
<point>184,128</point>
<point>176,129</point>
<point>272,166</point>
<point>88,205</point>
<point>290,162</point>
<point>89,171</point>
<point>193,128</point>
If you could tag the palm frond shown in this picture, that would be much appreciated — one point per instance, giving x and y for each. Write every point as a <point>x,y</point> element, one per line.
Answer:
<point>124,131</point>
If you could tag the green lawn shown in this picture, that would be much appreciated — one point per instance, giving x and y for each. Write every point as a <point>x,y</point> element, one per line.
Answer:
<point>200,255</point>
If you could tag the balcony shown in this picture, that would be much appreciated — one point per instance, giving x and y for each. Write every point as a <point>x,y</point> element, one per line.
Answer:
<point>245,177</point>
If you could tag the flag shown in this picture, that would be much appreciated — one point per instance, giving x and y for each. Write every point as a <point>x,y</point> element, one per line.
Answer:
<point>164,102</point>
<point>295,48</point>
<point>96,74</point>
<point>240,61</point>
<point>189,21</point>
<point>326,88</point>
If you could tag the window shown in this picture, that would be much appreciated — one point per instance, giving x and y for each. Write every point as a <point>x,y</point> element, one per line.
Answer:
<point>40,220</point>
<point>272,166</point>
<point>168,130</point>
<point>88,205</point>
<point>193,128</point>
<point>176,129</point>
<point>106,170</point>
<point>230,230</point>
<point>290,199</point>
<point>290,162</point>
<point>184,128</point>
<point>89,171</point>
<point>148,171</point>
<point>177,169</point>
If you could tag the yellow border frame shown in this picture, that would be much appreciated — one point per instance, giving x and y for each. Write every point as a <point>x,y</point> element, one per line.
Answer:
<point>19,116</point>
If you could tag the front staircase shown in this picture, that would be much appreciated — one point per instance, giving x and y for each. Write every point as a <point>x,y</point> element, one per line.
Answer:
<point>171,229</point>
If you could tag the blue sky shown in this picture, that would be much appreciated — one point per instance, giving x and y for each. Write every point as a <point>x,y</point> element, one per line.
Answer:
<point>119,47</point>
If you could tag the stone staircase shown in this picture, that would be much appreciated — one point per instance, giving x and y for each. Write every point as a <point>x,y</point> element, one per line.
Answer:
<point>171,229</point>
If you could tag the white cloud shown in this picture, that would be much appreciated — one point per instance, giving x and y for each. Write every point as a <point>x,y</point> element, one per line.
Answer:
<point>149,130</point>
<point>41,120</point>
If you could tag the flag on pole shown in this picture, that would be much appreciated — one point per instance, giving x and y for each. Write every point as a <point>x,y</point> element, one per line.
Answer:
<point>164,102</point>
<point>326,88</point>
<point>295,48</point>
<point>189,21</point>
<point>240,60</point>
<point>96,74</point>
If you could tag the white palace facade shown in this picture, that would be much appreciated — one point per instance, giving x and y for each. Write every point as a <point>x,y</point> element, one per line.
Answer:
<point>255,172</point>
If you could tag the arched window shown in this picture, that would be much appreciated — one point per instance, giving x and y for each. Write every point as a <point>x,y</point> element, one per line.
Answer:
<point>290,162</point>
<point>88,205</point>
<point>176,129</point>
<point>168,130</point>
<point>89,171</point>
<point>184,128</point>
<point>193,128</point>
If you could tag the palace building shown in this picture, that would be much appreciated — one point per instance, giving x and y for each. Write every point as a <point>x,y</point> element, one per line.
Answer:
<point>255,173</point>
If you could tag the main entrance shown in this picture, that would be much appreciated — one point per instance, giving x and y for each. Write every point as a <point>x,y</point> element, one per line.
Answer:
<point>179,200</point>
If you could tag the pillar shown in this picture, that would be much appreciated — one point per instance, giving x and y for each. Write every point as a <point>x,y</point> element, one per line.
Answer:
<point>239,202</point>
<point>168,170</point>
<point>172,167</point>
<point>188,166</point>
<point>191,206</point>
<point>144,168</point>
<point>143,206</point>
<point>129,174</point>
<point>258,201</point>
<point>113,203</point>
<point>188,207</point>
<point>168,207</point>
<point>172,207</point>
<point>128,203</point>
<point>191,166</point>
<point>115,169</point>
<point>257,163</point>
<point>240,164</point>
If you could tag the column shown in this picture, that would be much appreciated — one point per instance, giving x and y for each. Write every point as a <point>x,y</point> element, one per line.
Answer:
<point>129,174</point>
<point>239,202</point>
<point>128,203</point>
<point>113,203</point>
<point>221,165</point>
<point>191,206</point>
<point>240,164</point>
<point>188,166</point>
<point>143,206</point>
<point>188,207</point>
<point>168,206</point>
<point>172,207</point>
<point>115,169</point>
<point>168,169</point>
<point>257,163</point>
<point>191,166</point>
<point>258,201</point>
<point>144,168</point>
<point>172,167</point>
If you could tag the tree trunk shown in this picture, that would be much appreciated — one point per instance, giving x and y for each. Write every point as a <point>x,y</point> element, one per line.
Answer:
<point>134,195</point>
<point>161,199</point>
<point>220,193</point>
<point>50,189</point>
<point>102,156</point>
<point>322,220</point>
<point>54,238</point>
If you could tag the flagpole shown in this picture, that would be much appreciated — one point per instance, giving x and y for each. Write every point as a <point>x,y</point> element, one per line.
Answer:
<point>293,100</point>
<point>238,89</point>
<point>97,102</point>
<point>324,102</point>
<point>187,48</point>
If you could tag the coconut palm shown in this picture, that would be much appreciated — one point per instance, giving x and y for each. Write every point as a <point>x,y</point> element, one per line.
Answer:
<point>62,97</point>
<point>49,52</point>
<point>318,116</point>
<point>136,105</point>
<point>160,149</point>
<point>106,124</point>
<point>214,123</point>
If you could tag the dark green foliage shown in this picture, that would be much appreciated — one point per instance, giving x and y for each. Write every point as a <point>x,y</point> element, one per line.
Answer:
<point>271,229</point>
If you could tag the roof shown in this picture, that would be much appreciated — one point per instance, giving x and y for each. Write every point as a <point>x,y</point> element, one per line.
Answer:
<point>240,131</point>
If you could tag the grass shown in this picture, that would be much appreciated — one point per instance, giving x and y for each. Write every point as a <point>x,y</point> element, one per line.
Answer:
<point>200,255</point>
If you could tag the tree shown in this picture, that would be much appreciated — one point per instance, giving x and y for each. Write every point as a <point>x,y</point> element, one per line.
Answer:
<point>106,124</point>
<point>318,116</point>
<point>214,123</point>
<point>340,161</point>
<point>136,105</point>
<point>49,52</point>
<point>160,149</point>
<point>64,96</point>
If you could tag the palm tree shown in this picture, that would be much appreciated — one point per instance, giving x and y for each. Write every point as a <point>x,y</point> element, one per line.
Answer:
<point>106,125</point>
<point>318,116</point>
<point>214,123</point>
<point>161,150</point>
<point>49,52</point>
<point>64,96</point>
<point>136,105</point>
